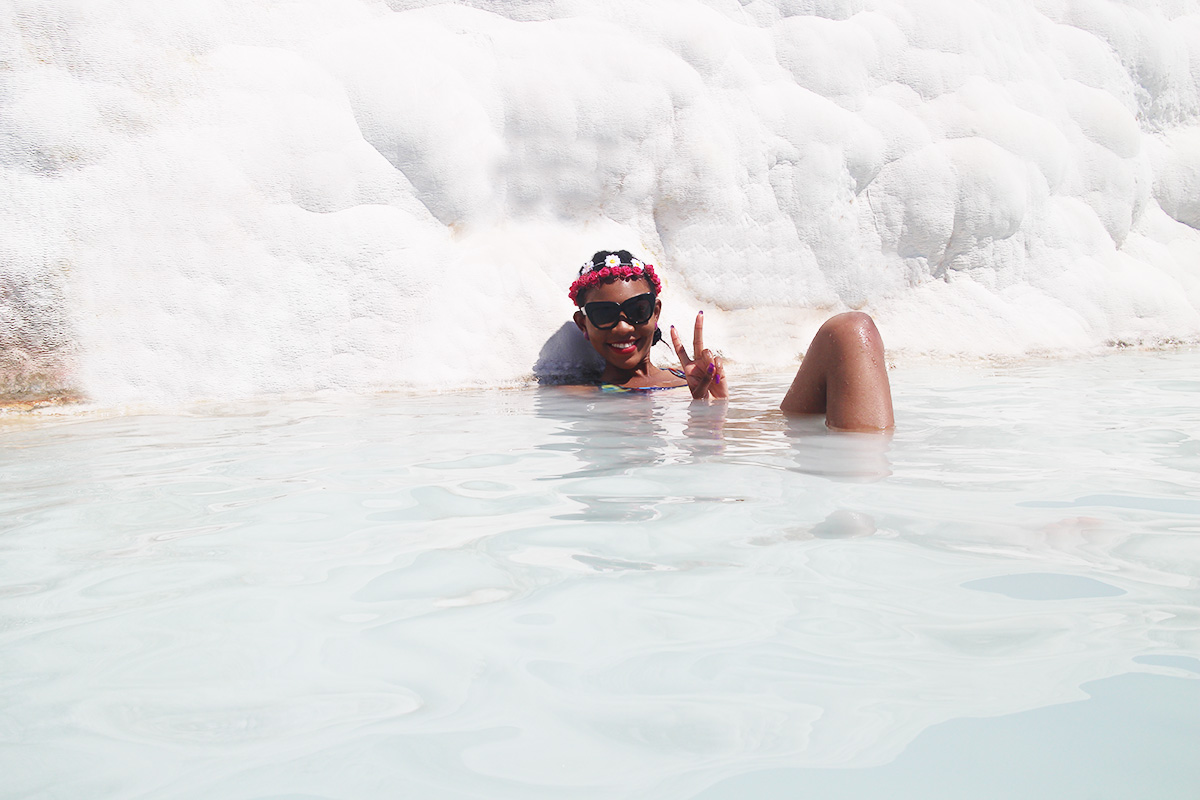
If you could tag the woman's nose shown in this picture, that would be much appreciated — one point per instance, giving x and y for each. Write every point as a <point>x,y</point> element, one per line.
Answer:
<point>623,326</point>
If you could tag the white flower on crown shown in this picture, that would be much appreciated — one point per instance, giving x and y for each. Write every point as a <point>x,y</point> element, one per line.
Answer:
<point>613,260</point>
<point>637,265</point>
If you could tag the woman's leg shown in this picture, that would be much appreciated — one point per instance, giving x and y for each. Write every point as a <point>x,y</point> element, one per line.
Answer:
<point>844,377</point>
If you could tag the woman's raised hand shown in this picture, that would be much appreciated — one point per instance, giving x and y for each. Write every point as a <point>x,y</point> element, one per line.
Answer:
<point>706,373</point>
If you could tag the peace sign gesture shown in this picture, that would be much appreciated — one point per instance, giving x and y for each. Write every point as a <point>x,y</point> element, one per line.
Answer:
<point>706,374</point>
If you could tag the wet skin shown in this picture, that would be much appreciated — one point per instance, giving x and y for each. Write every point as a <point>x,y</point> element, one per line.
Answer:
<point>844,376</point>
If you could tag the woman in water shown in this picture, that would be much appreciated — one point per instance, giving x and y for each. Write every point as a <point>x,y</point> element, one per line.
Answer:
<point>843,375</point>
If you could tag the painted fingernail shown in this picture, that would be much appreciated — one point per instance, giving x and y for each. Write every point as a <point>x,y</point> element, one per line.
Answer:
<point>701,312</point>
<point>717,379</point>
<point>711,367</point>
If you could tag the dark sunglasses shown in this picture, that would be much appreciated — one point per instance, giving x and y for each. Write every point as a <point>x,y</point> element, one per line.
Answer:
<point>636,311</point>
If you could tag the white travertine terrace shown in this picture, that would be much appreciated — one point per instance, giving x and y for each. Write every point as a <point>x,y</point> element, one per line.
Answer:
<point>219,199</point>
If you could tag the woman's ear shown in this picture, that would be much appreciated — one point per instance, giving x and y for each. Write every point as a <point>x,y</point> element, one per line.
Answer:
<point>579,321</point>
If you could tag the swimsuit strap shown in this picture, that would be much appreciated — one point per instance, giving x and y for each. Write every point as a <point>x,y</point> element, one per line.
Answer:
<point>612,387</point>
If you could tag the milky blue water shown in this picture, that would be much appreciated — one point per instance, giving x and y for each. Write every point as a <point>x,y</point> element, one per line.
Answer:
<point>535,593</point>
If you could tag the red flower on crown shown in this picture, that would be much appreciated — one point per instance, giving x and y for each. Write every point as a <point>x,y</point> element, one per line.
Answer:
<point>626,272</point>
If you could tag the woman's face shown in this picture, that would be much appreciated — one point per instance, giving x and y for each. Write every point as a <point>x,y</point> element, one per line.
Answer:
<point>624,346</point>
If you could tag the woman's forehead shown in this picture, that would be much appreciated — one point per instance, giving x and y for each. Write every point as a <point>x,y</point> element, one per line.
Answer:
<point>617,290</point>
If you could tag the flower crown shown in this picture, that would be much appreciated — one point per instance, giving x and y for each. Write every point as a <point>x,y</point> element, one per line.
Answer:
<point>590,274</point>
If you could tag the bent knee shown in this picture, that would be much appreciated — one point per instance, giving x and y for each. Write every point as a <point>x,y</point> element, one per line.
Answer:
<point>852,328</point>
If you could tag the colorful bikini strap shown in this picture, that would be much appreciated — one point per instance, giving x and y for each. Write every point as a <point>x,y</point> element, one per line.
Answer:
<point>592,273</point>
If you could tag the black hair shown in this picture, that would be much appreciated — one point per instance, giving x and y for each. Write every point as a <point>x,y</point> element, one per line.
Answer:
<point>597,261</point>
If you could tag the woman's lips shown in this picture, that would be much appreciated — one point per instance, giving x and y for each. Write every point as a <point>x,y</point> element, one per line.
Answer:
<point>624,347</point>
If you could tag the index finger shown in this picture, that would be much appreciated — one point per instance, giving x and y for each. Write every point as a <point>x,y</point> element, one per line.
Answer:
<point>698,337</point>
<point>679,351</point>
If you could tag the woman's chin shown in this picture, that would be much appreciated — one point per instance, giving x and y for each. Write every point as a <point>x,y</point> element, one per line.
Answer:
<point>625,358</point>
